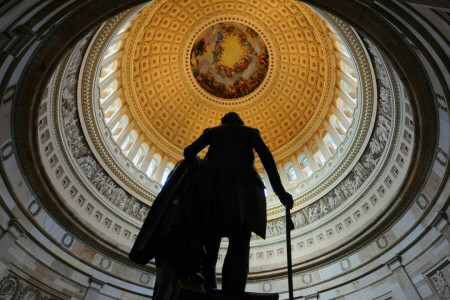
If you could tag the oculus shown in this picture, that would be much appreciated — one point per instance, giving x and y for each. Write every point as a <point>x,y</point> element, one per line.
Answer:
<point>229,60</point>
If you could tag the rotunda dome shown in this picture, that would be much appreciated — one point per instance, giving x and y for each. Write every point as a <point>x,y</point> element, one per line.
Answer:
<point>133,94</point>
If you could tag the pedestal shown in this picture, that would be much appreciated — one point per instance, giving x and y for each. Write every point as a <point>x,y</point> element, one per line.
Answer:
<point>186,290</point>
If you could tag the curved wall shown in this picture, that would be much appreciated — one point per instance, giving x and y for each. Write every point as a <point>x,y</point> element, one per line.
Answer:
<point>46,250</point>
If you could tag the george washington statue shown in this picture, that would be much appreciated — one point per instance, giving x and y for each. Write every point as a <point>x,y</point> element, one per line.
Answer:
<point>230,197</point>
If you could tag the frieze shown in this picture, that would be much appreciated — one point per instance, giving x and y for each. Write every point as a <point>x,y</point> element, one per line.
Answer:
<point>80,150</point>
<point>381,136</point>
<point>439,278</point>
<point>360,173</point>
<point>87,92</point>
<point>365,114</point>
<point>14,287</point>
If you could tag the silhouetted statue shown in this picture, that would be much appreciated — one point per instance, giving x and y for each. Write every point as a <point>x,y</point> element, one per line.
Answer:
<point>170,233</point>
<point>229,197</point>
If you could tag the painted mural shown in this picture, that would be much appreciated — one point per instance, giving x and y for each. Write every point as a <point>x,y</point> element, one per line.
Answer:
<point>229,60</point>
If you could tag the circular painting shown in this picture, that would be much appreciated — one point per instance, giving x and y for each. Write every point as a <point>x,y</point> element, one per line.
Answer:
<point>229,60</point>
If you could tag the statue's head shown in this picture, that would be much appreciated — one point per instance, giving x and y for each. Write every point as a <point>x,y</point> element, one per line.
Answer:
<point>232,118</point>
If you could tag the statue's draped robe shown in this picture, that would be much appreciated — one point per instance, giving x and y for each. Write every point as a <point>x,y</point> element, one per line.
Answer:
<point>169,227</point>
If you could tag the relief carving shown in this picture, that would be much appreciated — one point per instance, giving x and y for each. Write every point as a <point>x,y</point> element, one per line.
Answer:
<point>79,148</point>
<point>365,166</point>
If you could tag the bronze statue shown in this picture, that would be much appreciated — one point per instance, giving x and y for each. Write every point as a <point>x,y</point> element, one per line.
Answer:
<point>230,197</point>
<point>205,200</point>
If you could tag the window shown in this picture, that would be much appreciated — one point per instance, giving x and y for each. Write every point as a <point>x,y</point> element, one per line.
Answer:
<point>301,160</point>
<point>291,174</point>
<point>113,48</point>
<point>151,168</point>
<point>166,173</point>
<point>108,90</point>
<point>140,154</point>
<point>329,143</point>
<point>341,48</point>
<point>112,109</point>
<point>348,113</point>
<point>317,155</point>
<point>346,69</point>
<point>304,164</point>
<point>117,129</point>
<point>308,172</point>
<point>129,141</point>
<point>337,125</point>
<point>320,159</point>
<point>347,89</point>
<point>109,70</point>
<point>124,27</point>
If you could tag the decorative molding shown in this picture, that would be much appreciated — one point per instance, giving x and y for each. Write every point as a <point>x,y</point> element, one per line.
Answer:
<point>12,286</point>
<point>67,240</point>
<point>7,150</point>
<point>345,264</point>
<point>382,242</point>
<point>9,94</point>
<point>34,208</point>
<point>145,278</point>
<point>267,287</point>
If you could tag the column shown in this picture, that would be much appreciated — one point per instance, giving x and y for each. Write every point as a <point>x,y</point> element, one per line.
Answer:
<point>323,148</point>
<point>405,283</point>
<point>161,168</point>
<point>334,36</point>
<point>333,133</point>
<point>113,121</point>
<point>347,78</point>
<point>108,80</point>
<point>341,117</point>
<point>147,159</point>
<point>10,236</point>
<point>312,162</point>
<point>111,58</point>
<point>135,148</point>
<point>93,292</point>
<point>124,134</point>
<point>346,98</point>
<point>283,176</point>
<point>297,168</point>
<point>119,37</point>
<point>441,223</point>
<point>111,98</point>
<point>344,58</point>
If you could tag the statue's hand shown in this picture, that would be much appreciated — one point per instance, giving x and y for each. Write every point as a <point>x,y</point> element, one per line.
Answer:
<point>286,199</point>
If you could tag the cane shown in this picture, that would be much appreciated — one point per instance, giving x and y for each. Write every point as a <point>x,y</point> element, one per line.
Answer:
<point>289,227</point>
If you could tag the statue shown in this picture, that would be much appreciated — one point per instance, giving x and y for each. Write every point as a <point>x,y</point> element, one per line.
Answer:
<point>189,214</point>
<point>240,206</point>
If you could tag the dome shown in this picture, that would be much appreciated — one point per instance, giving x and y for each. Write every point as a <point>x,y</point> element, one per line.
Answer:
<point>142,98</point>
<point>364,156</point>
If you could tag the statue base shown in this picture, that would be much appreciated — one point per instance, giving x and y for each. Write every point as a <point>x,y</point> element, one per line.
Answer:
<point>188,290</point>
